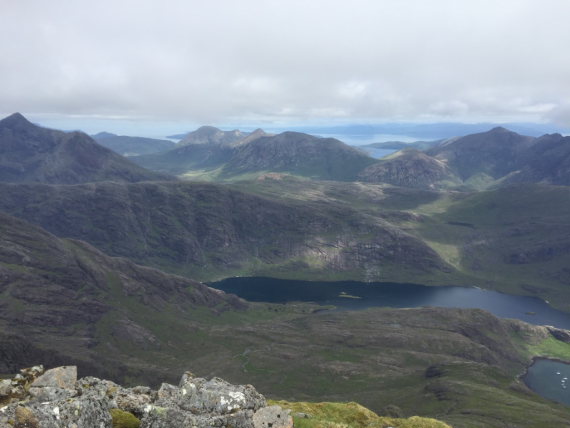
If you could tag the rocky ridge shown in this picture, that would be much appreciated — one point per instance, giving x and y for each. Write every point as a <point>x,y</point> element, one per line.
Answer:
<point>230,154</point>
<point>57,399</point>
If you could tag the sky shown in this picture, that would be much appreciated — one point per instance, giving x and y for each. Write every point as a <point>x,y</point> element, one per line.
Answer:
<point>137,64</point>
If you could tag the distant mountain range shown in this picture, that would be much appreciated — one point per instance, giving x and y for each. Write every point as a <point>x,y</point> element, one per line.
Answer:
<point>425,131</point>
<point>227,154</point>
<point>399,145</point>
<point>29,153</point>
<point>132,146</point>
<point>493,158</point>
<point>476,161</point>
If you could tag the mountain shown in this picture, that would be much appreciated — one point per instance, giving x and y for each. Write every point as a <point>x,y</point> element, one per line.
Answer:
<point>214,154</point>
<point>132,146</point>
<point>299,154</point>
<point>478,161</point>
<point>206,148</point>
<point>490,155</point>
<point>29,153</point>
<point>53,288</point>
<point>209,231</point>
<point>399,145</point>
<point>547,161</point>
<point>411,168</point>
<point>213,136</point>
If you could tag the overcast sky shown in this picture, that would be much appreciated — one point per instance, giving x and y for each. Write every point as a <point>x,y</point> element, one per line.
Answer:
<point>264,61</point>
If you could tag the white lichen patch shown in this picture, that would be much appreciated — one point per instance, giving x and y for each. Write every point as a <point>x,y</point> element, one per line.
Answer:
<point>234,401</point>
<point>184,391</point>
<point>236,395</point>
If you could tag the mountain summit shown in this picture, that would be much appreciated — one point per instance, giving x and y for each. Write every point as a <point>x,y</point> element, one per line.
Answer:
<point>30,153</point>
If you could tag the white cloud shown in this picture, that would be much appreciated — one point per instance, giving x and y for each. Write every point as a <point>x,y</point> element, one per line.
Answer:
<point>224,60</point>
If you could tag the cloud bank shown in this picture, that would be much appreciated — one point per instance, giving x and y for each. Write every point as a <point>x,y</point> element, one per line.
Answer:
<point>269,60</point>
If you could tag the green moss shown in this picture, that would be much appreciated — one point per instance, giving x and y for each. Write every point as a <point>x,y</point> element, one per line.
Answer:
<point>349,415</point>
<point>122,419</point>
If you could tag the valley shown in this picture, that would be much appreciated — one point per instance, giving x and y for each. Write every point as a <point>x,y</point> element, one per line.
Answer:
<point>100,261</point>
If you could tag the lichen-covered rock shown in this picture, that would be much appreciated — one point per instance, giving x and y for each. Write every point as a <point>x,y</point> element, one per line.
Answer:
<point>15,389</point>
<point>216,396</point>
<point>5,387</point>
<point>57,400</point>
<point>272,417</point>
<point>55,384</point>
<point>60,377</point>
<point>135,400</point>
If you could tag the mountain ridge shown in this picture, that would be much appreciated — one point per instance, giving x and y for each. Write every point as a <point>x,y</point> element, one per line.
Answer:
<point>29,153</point>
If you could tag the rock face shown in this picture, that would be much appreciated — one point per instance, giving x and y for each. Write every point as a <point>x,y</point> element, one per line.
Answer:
<point>60,400</point>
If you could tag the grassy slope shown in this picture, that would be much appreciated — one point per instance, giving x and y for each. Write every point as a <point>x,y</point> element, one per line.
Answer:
<point>515,240</point>
<point>349,415</point>
<point>459,366</point>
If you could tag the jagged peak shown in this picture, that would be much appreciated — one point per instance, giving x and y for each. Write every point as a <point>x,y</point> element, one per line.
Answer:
<point>15,119</point>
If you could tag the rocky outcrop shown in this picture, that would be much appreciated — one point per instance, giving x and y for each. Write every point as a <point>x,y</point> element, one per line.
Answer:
<point>56,399</point>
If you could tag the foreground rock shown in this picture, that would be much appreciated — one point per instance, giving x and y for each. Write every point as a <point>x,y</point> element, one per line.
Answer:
<point>56,399</point>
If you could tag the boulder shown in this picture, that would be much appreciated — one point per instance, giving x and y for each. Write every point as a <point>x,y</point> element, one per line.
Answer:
<point>60,377</point>
<point>272,417</point>
<point>54,384</point>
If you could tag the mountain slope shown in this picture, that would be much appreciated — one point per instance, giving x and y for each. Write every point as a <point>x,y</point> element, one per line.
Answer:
<point>29,153</point>
<point>547,161</point>
<point>515,239</point>
<point>494,154</point>
<point>411,168</point>
<point>132,146</point>
<point>52,288</point>
<point>209,231</point>
<point>300,154</point>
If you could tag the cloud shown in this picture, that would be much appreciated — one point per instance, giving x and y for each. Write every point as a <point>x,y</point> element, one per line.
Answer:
<point>224,60</point>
